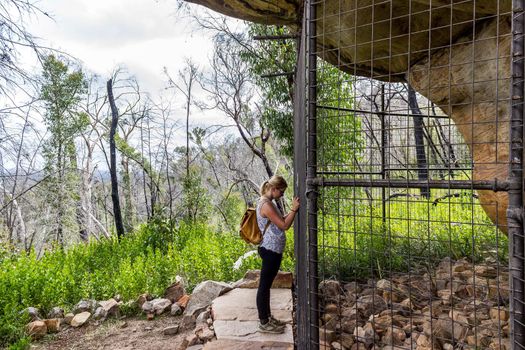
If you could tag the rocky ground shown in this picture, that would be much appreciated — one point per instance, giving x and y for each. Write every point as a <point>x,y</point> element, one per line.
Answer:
<point>457,305</point>
<point>174,321</point>
<point>118,334</point>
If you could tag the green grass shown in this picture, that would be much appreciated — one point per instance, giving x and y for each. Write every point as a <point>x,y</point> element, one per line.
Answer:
<point>355,242</point>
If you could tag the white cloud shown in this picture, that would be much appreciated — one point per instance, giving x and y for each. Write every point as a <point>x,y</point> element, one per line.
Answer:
<point>142,35</point>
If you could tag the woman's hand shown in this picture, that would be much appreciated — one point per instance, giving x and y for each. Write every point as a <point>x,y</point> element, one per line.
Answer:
<point>295,204</point>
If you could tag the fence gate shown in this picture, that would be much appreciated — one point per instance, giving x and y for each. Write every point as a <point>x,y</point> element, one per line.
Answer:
<point>408,153</point>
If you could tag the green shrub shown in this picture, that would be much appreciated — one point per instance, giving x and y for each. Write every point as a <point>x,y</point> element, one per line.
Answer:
<point>145,261</point>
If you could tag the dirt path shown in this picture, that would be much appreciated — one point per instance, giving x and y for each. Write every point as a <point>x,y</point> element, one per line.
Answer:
<point>125,334</point>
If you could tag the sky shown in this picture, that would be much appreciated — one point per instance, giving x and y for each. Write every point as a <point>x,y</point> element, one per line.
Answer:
<point>142,35</point>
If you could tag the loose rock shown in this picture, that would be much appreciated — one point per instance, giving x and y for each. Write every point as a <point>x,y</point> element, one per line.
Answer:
<point>160,305</point>
<point>36,329</point>
<point>53,325</point>
<point>80,319</point>
<point>68,318</point>
<point>204,294</point>
<point>111,306</point>
<point>176,310</point>
<point>100,313</point>
<point>174,292</point>
<point>171,330</point>
<point>56,312</point>
<point>83,306</point>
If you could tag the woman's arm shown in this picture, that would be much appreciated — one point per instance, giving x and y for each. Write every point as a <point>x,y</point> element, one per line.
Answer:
<point>284,223</point>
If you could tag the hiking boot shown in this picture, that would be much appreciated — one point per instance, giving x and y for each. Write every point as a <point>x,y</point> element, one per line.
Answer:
<point>270,327</point>
<point>277,322</point>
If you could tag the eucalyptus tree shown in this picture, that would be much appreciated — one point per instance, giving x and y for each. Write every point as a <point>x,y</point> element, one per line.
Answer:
<point>62,92</point>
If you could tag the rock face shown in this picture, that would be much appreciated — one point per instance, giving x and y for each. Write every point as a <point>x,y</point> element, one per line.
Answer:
<point>409,41</point>
<point>476,97</point>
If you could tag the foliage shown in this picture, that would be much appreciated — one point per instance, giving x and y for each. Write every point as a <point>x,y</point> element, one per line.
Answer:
<point>145,261</point>
<point>355,242</point>
<point>340,140</point>
<point>61,93</point>
<point>268,57</point>
<point>195,201</point>
<point>276,105</point>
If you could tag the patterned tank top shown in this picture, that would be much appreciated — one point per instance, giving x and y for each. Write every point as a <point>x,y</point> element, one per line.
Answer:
<point>274,239</point>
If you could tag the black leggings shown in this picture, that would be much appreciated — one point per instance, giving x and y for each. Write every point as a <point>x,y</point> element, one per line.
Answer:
<point>271,261</point>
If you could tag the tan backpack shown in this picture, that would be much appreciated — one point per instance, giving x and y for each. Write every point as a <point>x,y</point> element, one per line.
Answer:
<point>250,231</point>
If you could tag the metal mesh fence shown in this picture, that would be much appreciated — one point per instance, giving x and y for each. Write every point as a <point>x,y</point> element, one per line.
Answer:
<point>414,130</point>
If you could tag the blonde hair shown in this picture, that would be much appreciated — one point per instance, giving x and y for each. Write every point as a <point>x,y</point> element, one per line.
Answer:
<point>276,181</point>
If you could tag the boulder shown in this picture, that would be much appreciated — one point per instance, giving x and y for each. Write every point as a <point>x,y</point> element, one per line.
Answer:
<point>404,41</point>
<point>56,312</point>
<point>36,329</point>
<point>32,312</point>
<point>204,294</point>
<point>84,305</point>
<point>111,306</point>
<point>160,305</point>
<point>174,292</point>
<point>80,319</point>
<point>53,325</point>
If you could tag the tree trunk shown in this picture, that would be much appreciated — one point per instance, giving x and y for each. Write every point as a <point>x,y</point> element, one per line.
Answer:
<point>128,217</point>
<point>80,215</point>
<point>113,163</point>
<point>421,158</point>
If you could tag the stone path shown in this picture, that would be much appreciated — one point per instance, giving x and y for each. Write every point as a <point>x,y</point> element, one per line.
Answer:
<point>235,321</point>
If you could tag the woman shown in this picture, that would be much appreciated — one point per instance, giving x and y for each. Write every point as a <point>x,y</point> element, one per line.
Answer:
<point>271,247</point>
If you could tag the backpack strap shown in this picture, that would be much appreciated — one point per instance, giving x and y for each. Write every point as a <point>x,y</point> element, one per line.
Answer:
<point>269,222</point>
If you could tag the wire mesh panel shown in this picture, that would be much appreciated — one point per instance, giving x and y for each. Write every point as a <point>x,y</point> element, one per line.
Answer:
<point>415,230</point>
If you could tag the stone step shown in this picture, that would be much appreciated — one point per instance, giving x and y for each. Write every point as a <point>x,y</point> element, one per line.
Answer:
<point>229,344</point>
<point>235,319</point>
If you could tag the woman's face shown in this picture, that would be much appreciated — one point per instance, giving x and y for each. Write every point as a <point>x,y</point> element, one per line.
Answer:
<point>278,192</point>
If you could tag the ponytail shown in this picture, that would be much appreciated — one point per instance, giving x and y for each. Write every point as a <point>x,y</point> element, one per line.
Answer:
<point>264,188</point>
<point>276,181</point>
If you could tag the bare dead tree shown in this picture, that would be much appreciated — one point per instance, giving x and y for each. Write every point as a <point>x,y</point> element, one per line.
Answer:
<point>187,77</point>
<point>113,165</point>
<point>232,92</point>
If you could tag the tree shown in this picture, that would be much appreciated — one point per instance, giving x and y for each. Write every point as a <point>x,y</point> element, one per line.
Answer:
<point>272,67</point>
<point>62,92</point>
<point>15,38</point>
